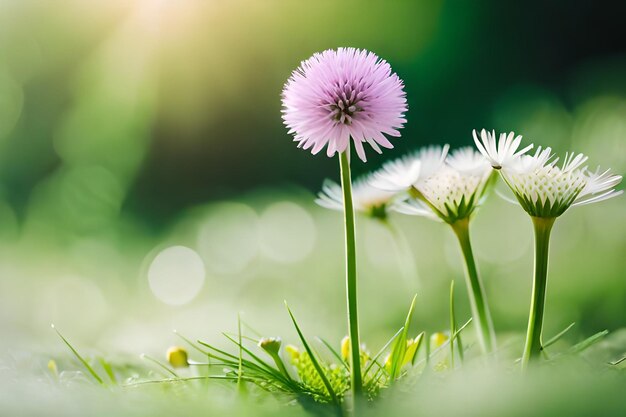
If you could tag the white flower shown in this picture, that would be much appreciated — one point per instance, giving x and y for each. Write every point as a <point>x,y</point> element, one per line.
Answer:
<point>545,189</point>
<point>502,152</point>
<point>599,187</point>
<point>414,207</point>
<point>468,161</point>
<point>453,191</point>
<point>406,172</point>
<point>365,197</point>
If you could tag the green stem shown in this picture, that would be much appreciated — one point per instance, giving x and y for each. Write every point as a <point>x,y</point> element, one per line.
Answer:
<point>532,349</point>
<point>279,363</point>
<point>351,290</point>
<point>478,300</point>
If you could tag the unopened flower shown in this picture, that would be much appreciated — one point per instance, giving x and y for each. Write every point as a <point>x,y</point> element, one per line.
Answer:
<point>270,344</point>
<point>412,345</point>
<point>366,198</point>
<point>52,367</point>
<point>293,352</point>
<point>340,94</point>
<point>453,191</point>
<point>438,339</point>
<point>177,357</point>
<point>345,348</point>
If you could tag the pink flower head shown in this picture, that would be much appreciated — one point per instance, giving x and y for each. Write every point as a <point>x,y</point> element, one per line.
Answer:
<point>340,94</point>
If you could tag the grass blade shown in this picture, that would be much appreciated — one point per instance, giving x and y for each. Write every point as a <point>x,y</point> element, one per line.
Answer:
<point>419,341</point>
<point>108,369</point>
<point>430,354</point>
<point>314,361</point>
<point>381,351</point>
<point>334,352</point>
<point>192,344</point>
<point>252,329</point>
<point>558,336</point>
<point>452,324</point>
<point>160,365</point>
<point>240,364</point>
<point>427,348</point>
<point>399,346</point>
<point>579,347</point>
<point>90,369</point>
<point>233,362</point>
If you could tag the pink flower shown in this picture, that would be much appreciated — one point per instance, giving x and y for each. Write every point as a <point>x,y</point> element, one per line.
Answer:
<point>337,95</point>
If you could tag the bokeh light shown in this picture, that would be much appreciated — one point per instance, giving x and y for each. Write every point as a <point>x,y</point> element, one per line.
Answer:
<point>228,239</point>
<point>176,275</point>
<point>287,232</point>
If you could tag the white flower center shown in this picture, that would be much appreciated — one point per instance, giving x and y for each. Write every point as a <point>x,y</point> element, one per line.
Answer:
<point>446,189</point>
<point>549,190</point>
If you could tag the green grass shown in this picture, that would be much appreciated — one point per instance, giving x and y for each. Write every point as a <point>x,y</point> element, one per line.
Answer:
<point>109,322</point>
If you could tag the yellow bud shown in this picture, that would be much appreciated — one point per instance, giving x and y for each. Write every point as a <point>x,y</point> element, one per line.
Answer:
<point>438,339</point>
<point>345,348</point>
<point>270,344</point>
<point>177,357</point>
<point>52,367</point>
<point>293,352</point>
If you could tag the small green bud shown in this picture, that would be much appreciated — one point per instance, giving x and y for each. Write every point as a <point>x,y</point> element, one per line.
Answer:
<point>177,357</point>
<point>270,344</point>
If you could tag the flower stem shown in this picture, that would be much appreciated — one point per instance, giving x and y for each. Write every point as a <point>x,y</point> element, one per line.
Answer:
<point>351,290</point>
<point>478,300</point>
<point>533,347</point>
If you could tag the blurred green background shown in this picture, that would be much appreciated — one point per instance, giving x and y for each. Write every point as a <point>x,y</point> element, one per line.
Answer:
<point>131,127</point>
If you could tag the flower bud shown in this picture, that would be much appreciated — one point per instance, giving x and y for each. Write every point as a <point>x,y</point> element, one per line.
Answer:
<point>177,357</point>
<point>52,367</point>
<point>270,344</point>
<point>345,348</point>
<point>438,339</point>
<point>294,352</point>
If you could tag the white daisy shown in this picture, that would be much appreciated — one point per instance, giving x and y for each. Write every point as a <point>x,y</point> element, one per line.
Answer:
<point>404,173</point>
<point>451,194</point>
<point>453,191</point>
<point>547,190</point>
<point>499,152</point>
<point>366,198</point>
<point>414,207</point>
<point>599,187</point>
